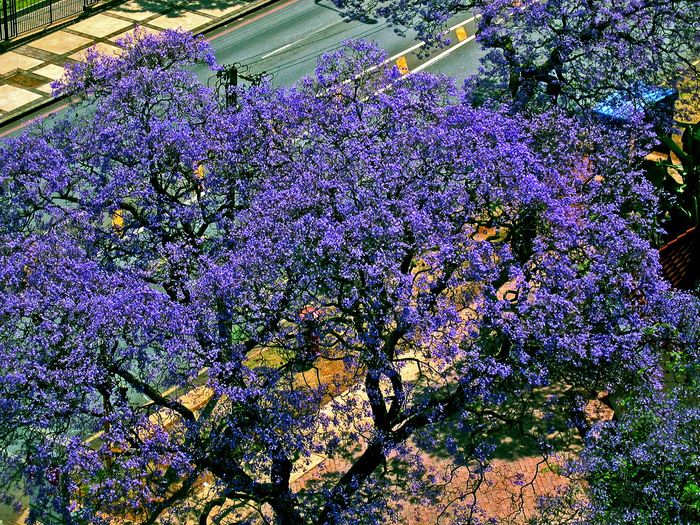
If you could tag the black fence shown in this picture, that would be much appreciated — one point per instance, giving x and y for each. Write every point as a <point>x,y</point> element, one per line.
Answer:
<point>22,16</point>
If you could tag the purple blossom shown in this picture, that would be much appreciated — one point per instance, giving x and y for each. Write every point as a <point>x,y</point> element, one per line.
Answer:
<point>453,258</point>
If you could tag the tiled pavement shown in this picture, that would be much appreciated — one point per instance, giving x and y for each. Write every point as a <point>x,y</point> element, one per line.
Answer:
<point>27,69</point>
<point>508,493</point>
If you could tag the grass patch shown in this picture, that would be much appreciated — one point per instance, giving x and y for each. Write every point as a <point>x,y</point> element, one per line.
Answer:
<point>24,4</point>
<point>331,373</point>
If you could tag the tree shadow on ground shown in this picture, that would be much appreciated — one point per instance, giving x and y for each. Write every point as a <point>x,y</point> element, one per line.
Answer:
<point>175,8</point>
<point>525,463</point>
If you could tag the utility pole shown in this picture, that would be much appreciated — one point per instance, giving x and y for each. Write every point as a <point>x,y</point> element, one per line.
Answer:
<point>227,79</point>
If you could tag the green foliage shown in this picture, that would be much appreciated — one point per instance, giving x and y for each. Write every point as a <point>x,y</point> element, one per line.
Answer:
<point>684,194</point>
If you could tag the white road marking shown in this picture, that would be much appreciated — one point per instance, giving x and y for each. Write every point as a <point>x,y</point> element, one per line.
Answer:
<point>465,22</point>
<point>421,44</point>
<point>442,55</point>
<point>280,49</point>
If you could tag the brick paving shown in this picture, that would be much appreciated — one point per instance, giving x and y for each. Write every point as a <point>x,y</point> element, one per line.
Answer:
<point>508,492</point>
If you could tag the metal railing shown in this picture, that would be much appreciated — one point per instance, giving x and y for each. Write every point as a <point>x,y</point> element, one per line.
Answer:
<point>21,16</point>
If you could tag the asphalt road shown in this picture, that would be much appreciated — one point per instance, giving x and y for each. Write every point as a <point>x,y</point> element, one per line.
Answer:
<point>286,39</point>
<point>287,42</point>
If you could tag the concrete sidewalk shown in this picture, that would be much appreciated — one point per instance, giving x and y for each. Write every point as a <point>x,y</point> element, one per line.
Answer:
<point>27,70</point>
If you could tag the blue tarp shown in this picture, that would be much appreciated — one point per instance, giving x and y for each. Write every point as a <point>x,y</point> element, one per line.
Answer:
<point>643,101</point>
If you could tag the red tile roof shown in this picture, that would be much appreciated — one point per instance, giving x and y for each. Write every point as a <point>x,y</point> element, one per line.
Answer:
<point>680,259</point>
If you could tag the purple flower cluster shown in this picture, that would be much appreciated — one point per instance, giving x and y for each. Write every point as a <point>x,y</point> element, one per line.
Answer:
<point>168,268</point>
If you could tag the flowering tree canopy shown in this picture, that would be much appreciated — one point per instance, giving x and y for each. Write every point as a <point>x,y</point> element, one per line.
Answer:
<point>643,467</point>
<point>573,52</point>
<point>175,275</point>
<point>646,469</point>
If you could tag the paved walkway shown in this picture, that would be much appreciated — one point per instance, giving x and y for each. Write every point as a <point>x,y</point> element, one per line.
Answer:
<point>27,70</point>
<point>508,492</point>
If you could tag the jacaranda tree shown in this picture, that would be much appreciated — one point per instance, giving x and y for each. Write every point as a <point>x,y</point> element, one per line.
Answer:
<point>570,52</point>
<point>643,467</point>
<point>174,273</point>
